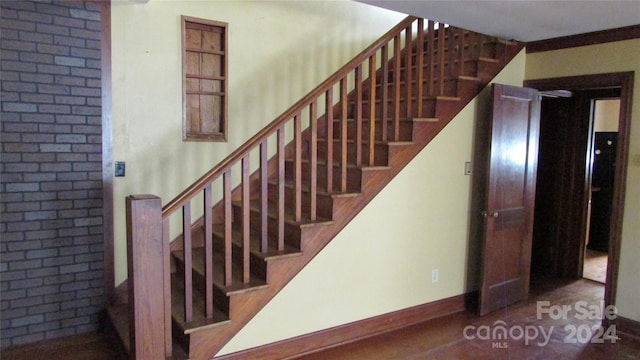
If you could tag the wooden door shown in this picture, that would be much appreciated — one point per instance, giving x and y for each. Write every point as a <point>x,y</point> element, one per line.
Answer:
<point>509,196</point>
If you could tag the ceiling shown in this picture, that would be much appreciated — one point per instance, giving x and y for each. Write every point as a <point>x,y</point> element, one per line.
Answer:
<point>522,20</point>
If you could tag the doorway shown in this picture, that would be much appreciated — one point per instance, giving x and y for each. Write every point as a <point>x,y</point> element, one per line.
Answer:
<point>604,120</point>
<point>564,175</point>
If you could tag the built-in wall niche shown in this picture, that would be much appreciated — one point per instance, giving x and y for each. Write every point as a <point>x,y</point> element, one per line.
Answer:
<point>204,66</point>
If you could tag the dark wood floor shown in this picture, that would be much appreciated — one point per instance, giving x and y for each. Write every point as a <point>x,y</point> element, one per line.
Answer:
<point>437,339</point>
<point>444,338</point>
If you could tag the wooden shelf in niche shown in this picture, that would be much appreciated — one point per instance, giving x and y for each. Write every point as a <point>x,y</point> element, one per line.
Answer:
<point>204,69</point>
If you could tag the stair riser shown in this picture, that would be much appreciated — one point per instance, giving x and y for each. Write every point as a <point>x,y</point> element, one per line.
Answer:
<point>324,203</point>
<point>406,129</point>
<point>292,232</point>
<point>257,265</point>
<point>354,176</point>
<point>430,109</point>
<point>220,298</point>
<point>450,89</point>
<point>471,68</point>
<point>490,49</point>
<point>381,153</point>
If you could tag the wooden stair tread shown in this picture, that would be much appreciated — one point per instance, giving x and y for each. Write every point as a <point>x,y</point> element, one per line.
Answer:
<point>119,315</point>
<point>237,286</point>
<point>199,320</point>
<point>289,215</point>
<point>366,142</point>
<point>255,244</point>
<point>434,79</point>
<point>363,167</point>
<point>289,184</point>
<point>338,120</point>
<point>413,98</point>
<point>412,119</point>
<point>480,59</point>
<point>430,120</point>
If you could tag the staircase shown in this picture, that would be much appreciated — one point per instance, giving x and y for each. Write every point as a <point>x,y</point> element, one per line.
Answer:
<point>275,202</point>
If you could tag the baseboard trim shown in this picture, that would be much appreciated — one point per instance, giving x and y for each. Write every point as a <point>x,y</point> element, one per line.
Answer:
<point>627,328</point>
<point>347,333</point>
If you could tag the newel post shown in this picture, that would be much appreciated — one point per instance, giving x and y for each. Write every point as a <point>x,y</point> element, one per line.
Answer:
<point>146,269</point>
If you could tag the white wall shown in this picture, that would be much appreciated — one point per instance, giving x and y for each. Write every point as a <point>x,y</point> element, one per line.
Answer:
<point>606,115</point>
<point>278,51</point>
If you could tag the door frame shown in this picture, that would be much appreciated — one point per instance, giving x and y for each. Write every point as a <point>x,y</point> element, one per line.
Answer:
<point>623,80</point>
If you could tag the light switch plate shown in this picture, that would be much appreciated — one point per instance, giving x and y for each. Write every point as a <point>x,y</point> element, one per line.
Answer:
<point>467,168</point>
<point>120,169</point>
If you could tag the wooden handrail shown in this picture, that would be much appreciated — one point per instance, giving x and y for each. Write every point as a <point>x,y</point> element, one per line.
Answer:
<point>254,141</point>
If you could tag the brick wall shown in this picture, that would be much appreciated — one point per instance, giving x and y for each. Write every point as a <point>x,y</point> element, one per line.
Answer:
<point>51,247</point>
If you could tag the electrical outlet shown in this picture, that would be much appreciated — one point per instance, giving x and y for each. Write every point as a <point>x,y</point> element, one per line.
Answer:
<point>434,275</point>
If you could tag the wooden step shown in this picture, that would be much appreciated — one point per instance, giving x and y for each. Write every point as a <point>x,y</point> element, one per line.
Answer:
<point>478,68</point>
<point>354,174</point>
<point>405,129</point>
<point>382,150</point>
<point>440,107</point>
<point>258,260</point>
<point>454,87</point>
<point>237,285</point>
<point>199,321</point>
<point>118,315</point>
<point>182,330</point>
<point>294,230</point>
<point>491,48</point>
<point>326,202</point>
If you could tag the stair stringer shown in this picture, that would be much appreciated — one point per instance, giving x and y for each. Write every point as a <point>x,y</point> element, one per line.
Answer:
<point>205,343</point>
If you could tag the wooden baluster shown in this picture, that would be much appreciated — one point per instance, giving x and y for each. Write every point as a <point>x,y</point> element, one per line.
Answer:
<point>343,136</point>
<point>473,39</point>
<point>461,44</point>
<point>297,135</point>
<point>168,336</point>
<point>281,180</point>
<point>246,222</point>
<point>329,112</point>
<point>384,87</point>
<point>396,88</point>
<point>147,259</point>
<point>313,161</point>
<point>452,53</point>
<point>188,263</point>
<point>420,66</point>
<point>264,196</point>
<point>431,53</point>
<point>441,57</point>
<point>208,250</point>
<point>408,45</point>
<point>226,184</point>
<point>358,139</point>
<point>372,109</point>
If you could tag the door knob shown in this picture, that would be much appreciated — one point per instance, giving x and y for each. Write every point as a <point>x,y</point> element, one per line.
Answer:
<point>490,214</point>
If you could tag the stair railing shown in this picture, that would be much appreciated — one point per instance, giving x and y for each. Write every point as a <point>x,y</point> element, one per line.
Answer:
<point>380,88</point>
